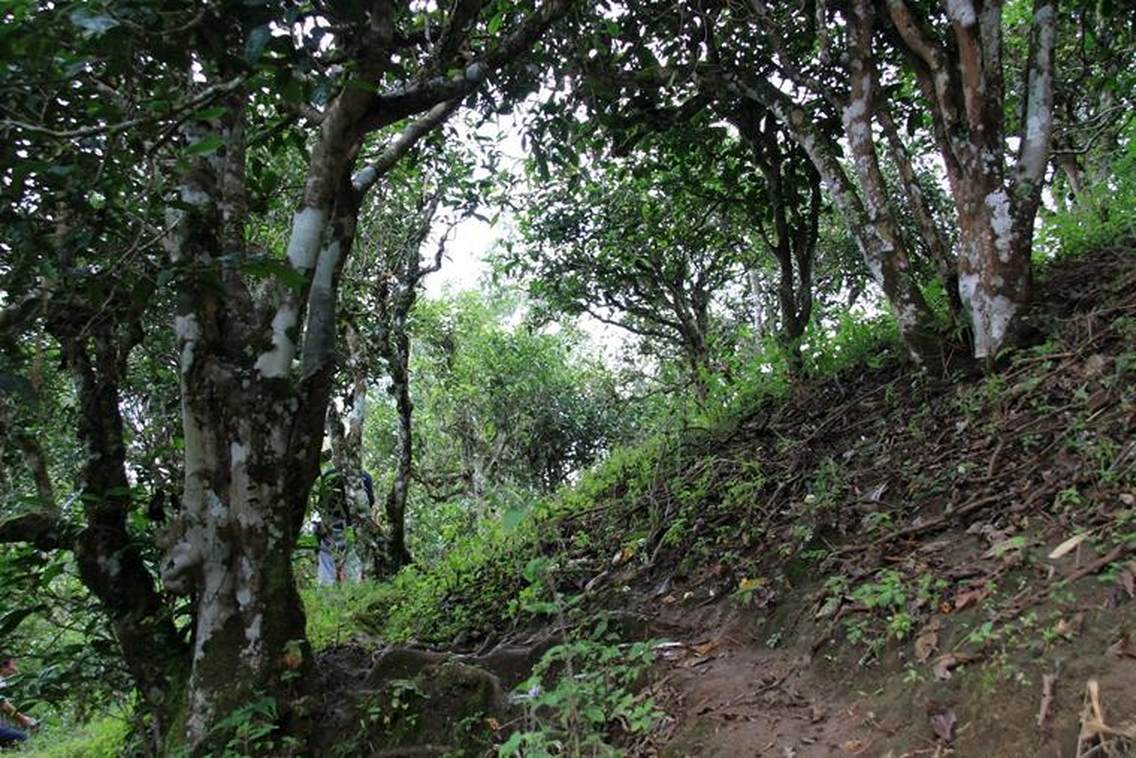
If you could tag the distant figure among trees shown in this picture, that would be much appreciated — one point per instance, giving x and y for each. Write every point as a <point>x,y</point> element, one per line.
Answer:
<point>338,561</point>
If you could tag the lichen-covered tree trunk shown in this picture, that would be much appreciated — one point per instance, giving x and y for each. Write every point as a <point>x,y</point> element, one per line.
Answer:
<point>252,429</point>
<point>996,204</point>
<point>895,273</point>
<point>242,511</point>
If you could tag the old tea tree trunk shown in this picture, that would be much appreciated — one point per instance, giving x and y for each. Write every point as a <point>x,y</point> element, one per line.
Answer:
<point>961,75</point>
<point>252,431</point>
<point>256,363</point>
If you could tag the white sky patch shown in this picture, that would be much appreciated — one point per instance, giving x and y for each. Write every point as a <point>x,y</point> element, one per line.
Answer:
<point>465,266</point>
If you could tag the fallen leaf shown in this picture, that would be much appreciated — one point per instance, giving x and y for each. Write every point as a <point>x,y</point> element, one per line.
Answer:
<point>1126,578</point>
<point>928,640</point>
<point>1008,548</point>
<point>969,597</point>
<point>1070,628</point>
<point>945,663</point>
<point>1067,546</point>
<point>625,554</point>
<point>1095,365</point>
<point>1123,648</point>
<point>705,648</point>
<point>943,721</point>
<point>1048,683</point>
<point>747,585</point>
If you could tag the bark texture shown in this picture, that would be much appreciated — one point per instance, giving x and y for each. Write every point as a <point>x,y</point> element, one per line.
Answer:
<point>996,200</point>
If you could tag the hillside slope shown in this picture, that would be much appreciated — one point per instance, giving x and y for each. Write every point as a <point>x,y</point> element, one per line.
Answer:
<point>877,563</point>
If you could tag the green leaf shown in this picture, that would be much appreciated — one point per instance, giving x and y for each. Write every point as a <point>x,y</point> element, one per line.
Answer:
<point>208,145</point>
<point>274,267</point>
<point>211,113</point>
<point>12,619</point>
<point>512,518</point>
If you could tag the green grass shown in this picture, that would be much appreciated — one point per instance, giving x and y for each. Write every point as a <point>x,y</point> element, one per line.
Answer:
<point>102,737</point>
<point>332,611</point>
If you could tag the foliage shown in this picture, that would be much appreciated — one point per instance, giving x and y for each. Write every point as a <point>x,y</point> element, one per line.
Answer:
<point>580,691</point>
<point>1103,214</point>
<point>99,737</point>
<point>652,245</point>
<point>332,611</point>
<point>642,205</point>
<point>506,413</point>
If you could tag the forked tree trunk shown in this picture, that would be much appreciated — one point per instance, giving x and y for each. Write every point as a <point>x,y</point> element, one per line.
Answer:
<point>996,204</point>
<point>252,431</point>
<point>865,208</point>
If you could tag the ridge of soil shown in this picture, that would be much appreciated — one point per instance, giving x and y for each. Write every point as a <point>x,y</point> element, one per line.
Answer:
<point>978,502</point>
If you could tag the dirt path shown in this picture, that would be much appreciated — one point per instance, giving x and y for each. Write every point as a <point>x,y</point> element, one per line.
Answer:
<point>742,701</point>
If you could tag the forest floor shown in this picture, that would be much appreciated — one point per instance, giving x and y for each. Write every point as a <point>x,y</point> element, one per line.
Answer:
<point>893,564</point>
<point>977,575</point>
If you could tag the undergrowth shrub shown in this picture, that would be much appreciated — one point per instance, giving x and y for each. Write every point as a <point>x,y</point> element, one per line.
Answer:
<point>580,692</point>
<point>332,611</point>
<point>586,692</point>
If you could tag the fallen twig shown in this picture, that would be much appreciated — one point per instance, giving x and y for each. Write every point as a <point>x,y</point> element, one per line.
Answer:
<point>1111,556</point>
<point>1048,682</point>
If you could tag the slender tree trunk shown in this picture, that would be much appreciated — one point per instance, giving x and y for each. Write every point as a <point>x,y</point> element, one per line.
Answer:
<point>933,238</point>
<point>109,562</point>
<point>347,455</point>
<point>399,363</point>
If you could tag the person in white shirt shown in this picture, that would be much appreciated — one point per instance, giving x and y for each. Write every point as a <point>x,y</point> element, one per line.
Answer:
<point>10,735</point>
